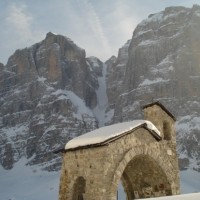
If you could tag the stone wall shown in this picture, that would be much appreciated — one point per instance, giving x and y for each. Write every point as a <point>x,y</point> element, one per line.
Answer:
<point>160,119</point>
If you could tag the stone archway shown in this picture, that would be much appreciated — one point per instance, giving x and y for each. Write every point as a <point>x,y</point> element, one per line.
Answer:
<point>142,177</point>
<point>137,153</point>
<point>143,174</point>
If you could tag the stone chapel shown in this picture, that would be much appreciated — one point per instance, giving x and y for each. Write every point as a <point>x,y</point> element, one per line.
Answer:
<point>141,154</point>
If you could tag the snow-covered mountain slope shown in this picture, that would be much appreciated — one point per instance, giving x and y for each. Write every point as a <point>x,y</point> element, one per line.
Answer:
<point>100,111</point>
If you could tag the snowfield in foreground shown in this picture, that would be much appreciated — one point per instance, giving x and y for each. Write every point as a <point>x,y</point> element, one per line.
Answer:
<point>29,182</point>
<point>194,196</point>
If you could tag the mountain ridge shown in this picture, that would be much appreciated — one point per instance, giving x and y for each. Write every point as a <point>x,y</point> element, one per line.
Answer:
<point>51,92</point>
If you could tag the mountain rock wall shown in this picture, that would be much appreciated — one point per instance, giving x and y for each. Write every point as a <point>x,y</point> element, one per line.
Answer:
<point>50,92</point>
<point>47,91</point>
<point>163,64</point>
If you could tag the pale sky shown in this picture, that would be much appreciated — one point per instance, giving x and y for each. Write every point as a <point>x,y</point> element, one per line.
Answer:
<point>100,27</point>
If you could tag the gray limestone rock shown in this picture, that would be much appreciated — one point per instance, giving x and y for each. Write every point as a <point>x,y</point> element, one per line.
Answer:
<point>47,93</point>
<point>163,64</point>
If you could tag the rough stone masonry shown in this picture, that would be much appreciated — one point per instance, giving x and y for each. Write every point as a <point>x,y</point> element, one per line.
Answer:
<point>145,163</point>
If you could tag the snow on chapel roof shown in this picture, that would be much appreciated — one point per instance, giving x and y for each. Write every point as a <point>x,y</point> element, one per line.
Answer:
<point>108,133</point>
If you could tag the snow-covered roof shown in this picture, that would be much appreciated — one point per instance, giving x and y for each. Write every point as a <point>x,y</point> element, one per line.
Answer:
<point>108,133</point>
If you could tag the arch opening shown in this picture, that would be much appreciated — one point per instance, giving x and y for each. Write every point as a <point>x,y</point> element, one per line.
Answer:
<point>144,178</point>
<point>79,189</point>
<point>121,194</point>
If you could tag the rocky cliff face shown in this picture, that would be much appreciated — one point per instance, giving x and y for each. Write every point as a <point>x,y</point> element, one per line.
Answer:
<point>116,74</point>
<point>50,92</point>
<point>47,96</point>
<point>163,64</point>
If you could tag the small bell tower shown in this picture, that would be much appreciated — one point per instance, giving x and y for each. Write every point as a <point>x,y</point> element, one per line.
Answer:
<point>162,119</point>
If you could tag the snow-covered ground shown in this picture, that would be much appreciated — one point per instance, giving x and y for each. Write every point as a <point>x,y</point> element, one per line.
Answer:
<point>190,182</point>
<point>30,183</point>
<point>193,196</point>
